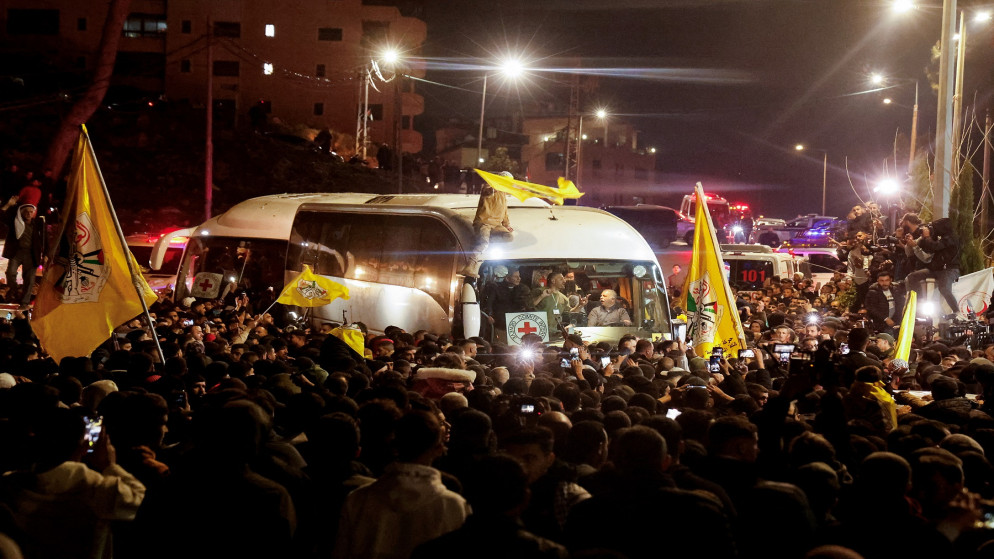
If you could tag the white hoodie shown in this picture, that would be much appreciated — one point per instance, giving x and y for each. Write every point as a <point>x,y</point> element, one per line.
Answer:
<point>405,507</point>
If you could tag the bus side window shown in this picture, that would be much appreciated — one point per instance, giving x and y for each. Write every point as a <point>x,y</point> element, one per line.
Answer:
<point>320,240</point>
<point>437,249</point>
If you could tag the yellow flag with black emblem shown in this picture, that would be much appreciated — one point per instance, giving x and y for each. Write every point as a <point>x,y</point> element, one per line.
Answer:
<point>93,283</point>
<point>713,319</point>
<point>311,290</point>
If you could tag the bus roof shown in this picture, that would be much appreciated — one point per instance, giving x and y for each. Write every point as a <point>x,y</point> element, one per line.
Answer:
<point>536,234</point>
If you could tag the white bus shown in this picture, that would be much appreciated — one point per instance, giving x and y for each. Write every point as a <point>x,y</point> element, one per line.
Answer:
<point>399,256</point>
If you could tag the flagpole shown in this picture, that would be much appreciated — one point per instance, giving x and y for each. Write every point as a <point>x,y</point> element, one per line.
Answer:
<point>124,244</point>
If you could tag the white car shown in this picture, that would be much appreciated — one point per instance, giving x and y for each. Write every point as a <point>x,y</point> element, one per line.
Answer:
<point>819,263</point>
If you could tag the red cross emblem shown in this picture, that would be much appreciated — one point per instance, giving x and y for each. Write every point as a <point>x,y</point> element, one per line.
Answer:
<point>206,284</point>
<point>527,329</point>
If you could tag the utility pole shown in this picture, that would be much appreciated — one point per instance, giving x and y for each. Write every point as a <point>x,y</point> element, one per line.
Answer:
<point>914,132</point>
<point>209,156</point>
<point>942,180</point>
<point>958,99</point>
<point>571,143</point>
<point>398,111</point>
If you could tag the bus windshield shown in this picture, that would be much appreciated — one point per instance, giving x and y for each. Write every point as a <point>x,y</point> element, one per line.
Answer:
<point>252,265</point>
<point>170,264</point>
<point>638,287</point>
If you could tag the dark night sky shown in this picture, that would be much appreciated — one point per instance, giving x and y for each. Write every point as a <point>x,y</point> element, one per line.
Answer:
<point>763,76</point>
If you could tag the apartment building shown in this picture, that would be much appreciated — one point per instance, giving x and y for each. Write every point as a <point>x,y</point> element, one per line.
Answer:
<point>304,62</point>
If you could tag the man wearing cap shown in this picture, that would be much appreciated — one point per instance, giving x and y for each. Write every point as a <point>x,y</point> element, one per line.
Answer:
<point>25,246</point>
<point>885,345</point>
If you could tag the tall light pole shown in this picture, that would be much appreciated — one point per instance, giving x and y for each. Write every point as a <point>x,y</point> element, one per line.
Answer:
<point>879,79</point>
<point>392,58</point>
<point>943,131</point>
<point>602,114</point>
<point>958,97</point>
<point>824,173</point>
<point>509,67</point>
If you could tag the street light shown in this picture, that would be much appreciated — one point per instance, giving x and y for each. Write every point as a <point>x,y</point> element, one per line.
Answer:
<point>902,6</point>
<point>600,114</point>
<point>947,121</point>
<point>880,79</point>
<point>887,187</point>
<point>510,67</point>
<point>824,173</point>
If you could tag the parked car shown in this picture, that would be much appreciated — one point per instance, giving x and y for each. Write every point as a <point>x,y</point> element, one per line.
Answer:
<point>798,225</point>
<point>818,263</point>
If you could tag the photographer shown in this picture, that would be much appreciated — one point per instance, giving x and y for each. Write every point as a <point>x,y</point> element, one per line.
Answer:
<point>856,254</point>
<point>941,242</point>
<point>910,228</point>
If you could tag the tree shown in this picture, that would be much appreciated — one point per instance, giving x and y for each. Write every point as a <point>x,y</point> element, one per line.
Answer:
<point>500,161</point>
<point>961,213</point>
<point>81,111</point>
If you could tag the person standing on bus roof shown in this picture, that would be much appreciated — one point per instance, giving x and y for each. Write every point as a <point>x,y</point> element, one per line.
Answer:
<point>491,217</point>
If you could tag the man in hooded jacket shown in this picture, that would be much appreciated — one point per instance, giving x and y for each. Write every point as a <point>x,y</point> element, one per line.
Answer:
<point>25,246</point>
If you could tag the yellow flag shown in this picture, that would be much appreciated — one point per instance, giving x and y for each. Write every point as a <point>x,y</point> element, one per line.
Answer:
<point>907,331</point>
<point>352,337</point>
<point>310,290</point>
<point>93,282</point>
<point>524,190</point>
<point>713,319</point>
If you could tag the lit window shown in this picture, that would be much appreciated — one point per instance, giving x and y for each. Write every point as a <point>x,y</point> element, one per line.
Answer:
<point>267,68</point>
<point>270,30</point>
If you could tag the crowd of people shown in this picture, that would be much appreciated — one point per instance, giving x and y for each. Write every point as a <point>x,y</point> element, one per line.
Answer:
<point>223,431</point>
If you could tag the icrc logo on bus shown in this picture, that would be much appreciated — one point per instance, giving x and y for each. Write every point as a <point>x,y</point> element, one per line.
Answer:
<point>519,324</point>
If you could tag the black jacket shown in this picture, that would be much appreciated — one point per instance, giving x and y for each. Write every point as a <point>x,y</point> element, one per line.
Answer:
<point>877,308</point>
<point>943,245</point>
<point>39,236</point>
